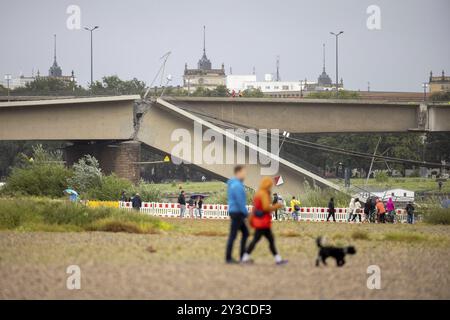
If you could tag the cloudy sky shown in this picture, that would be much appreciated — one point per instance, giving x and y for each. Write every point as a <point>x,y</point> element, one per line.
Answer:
<point>134,34</point>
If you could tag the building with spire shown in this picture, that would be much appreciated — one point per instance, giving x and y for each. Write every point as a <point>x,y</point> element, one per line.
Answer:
<point>324,79</point>
<point>439,83</point>
<point>204,75</point>
<point>55,70</point>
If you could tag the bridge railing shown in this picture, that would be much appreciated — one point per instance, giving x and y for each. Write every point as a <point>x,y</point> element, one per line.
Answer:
<point>220,211</point>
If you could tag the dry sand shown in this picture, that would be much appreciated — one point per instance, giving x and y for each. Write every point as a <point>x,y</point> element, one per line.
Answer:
<point>187,263</point>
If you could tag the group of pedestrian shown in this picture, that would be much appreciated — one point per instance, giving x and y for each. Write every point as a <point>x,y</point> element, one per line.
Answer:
<point>195,205</point>
<point>136,201</point>
<point>260,218</point>
<point>374,210</point>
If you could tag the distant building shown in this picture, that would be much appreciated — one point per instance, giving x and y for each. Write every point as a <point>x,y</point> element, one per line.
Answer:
<point>237,82</point>
<point>287,89</point>
<point>440,83</point>
<point>203,76</point>
<point>55,70</point>
<point>19,82</point>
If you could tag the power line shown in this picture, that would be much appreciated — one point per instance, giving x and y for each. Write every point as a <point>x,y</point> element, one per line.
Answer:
<point>326,148</point>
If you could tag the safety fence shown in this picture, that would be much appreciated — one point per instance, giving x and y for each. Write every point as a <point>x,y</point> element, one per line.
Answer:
<point>219,211</point>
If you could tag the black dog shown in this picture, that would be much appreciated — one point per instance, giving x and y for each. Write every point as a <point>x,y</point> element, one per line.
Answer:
<point>337,253</point>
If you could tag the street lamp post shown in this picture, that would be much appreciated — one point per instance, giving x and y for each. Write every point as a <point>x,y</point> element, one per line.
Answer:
<point>337,69</point>
<point>92,58</point>
<point>8,78</point>
<point>425,87</point>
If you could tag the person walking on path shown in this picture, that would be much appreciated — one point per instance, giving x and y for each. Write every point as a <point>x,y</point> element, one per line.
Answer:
<point>237,209</point>
<point>356,210</point>
<point>182,203</point>
<point>351,208</point>
<point>191,207</point>
<point>136,202</point>
<point>367,208</point>
<point>390,209</point>
<point>381,211</point>
<point>199,206</point>
<point>274,201</point>
<point>261,220</point>
<point>331,210</point>
<point>295,206</point>
<point>410,213</point>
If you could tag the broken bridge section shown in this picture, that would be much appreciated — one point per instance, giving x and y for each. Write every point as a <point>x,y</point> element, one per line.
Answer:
<point>162,119</point>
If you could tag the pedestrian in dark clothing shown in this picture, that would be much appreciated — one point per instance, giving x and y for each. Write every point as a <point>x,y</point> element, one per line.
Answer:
<point>136,202</point>
<point>367,208</point>
<point>275,201</point>
<point>182,202</point>
<point>331,210</point>
<point>237,210</point>
<point>123,196</point>
<point>410,213</point>
<point>200,206</point>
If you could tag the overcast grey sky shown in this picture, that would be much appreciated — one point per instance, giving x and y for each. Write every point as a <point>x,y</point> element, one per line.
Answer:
<point>133,34</point>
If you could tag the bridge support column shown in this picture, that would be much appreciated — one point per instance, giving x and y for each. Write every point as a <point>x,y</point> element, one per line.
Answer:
<point>118,158</point>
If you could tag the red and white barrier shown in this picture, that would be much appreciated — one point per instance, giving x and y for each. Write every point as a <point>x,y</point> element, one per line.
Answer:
<point>220,211</point>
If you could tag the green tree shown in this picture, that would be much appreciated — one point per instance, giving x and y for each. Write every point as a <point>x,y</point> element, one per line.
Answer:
<point>253,93</point>
<point>113,85</point>
<point>342,94</point>
<point>49,86</point>
<point>45,176</point>
<point>86,174</point>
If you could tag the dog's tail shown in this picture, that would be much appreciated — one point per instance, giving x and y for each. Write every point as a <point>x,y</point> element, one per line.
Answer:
<point>319,242</point>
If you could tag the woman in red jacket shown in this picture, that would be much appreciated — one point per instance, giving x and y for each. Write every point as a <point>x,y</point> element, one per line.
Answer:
<point>261,220</point>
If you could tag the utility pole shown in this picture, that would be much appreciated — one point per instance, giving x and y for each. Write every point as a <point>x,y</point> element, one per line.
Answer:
<point>425,87</point>
<point>8,78</point>
<point>337,68</point>
<point>92,53</point>
<point>373,159</point>
<point>278,69</point>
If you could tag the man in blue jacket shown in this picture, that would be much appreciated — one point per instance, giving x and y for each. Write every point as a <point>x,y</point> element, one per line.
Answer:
<point>237,210</point>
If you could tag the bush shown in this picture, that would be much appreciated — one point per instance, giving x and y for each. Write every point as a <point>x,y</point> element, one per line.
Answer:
<point>381,177</point>
<point>86,174</point>
<point>436,215</point>
<point>314,196</point>
<point>57,215</point>
<point>148,192</point>
<point>110,188</point>
<point>38,180</point>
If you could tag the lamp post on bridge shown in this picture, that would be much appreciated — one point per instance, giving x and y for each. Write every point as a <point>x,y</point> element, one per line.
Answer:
<point>337,69</point>
<point>8,78</point>
<point>425,87</point>
<point>92,58</point>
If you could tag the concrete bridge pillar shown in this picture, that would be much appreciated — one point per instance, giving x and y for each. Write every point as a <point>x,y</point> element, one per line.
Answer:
<point>119,158</point>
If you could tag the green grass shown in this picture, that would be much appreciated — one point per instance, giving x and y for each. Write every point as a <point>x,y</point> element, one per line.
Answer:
<point>191,187</point>
<point>437,215</point>
<point>405,236</point>
<point>25,214</point>
<point>414,184</point>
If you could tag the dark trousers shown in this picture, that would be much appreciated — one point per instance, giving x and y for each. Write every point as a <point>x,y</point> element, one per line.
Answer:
<point>331,214</point>
<point>237,224</point>
<point>357,215</point>
<point>258,234</point>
